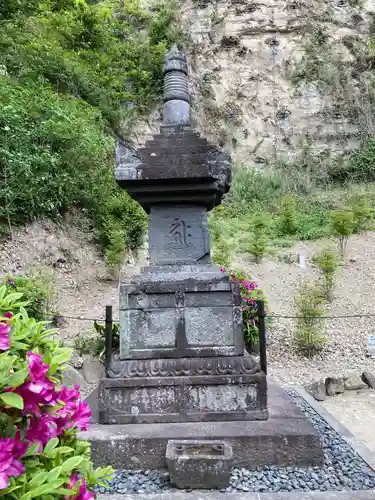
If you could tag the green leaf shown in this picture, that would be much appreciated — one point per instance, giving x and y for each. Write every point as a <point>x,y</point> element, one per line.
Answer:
<point>63,355</point>
<point>26,496</point>
<point>9,490</point>
<point>99,328</point>
<point>17,378</point>
<point>20,346</point>
<point>32,449</point>
<point>64,491</point>
<point>12,297</point>
<point>48,488</point>
<point>71,464</point>
<point>62,450</point>
<point>50,446</point>
<point>54,473</point>
<point>38,479</point>
<point>42,490</point>
<point>12,399</point>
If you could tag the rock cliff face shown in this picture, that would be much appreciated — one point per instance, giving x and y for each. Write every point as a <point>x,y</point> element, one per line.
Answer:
<point>270,77</point>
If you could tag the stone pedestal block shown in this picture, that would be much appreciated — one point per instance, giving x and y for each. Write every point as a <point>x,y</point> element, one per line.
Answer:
<point>180,311</point>
<point>192,390</point>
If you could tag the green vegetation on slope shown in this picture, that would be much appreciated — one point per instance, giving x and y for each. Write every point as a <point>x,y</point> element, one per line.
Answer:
<point>296,203</point>
<point>67,70</point>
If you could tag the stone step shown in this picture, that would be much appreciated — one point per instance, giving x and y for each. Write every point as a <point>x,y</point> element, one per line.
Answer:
<point>176,135</point>
<point>174,158</point>
<point>182,148</point>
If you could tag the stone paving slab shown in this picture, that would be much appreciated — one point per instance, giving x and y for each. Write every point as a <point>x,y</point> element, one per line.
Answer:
<point>321,495</point>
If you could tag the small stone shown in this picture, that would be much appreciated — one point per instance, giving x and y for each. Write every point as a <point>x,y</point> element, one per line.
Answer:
<point>76,361</point>
<point>93,369</point>
<point>72,377</point>
<point>369,379</point>
<point>334,386</point>
<point>317,390</point>
<point>354,383</point>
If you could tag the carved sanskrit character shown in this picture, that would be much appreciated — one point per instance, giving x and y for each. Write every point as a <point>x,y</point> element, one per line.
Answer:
<point>178,231</point>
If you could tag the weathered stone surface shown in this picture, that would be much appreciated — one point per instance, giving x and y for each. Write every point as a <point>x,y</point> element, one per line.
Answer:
<point>286,438</point>
<point>369,379</point>
<point>334,386</point>
<point>178,234</point>
<point>176,112</point>
<point>199,464</point>
<point>317,390</point>
<point>196,178</point>
<point>180,311</point>
<point>354,383</point>
<point>177,367</point>
<point>183,399</point>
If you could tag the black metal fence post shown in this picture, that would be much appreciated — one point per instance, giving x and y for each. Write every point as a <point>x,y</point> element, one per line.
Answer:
<point>108,338</point>
<point>262,336</point>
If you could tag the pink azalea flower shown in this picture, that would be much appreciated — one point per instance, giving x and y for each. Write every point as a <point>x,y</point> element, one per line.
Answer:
<point>4,337</point>
<point>38,369</point>
<point>9,465</point>
<point>74,413</point>
<point>19,448</point>
<point>81,417</point>
<point>38,390</point>
<point>41,429</point>
<point>83,493</point>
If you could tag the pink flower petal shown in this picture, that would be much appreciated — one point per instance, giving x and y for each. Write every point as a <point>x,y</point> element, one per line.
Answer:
<point>4,481</point>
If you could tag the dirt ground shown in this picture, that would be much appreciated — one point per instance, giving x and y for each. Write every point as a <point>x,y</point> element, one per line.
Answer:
<point>356,411</point>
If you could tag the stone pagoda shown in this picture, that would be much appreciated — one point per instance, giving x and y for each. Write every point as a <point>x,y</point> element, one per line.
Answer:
<point>181,339</point>
<point>182,365</point>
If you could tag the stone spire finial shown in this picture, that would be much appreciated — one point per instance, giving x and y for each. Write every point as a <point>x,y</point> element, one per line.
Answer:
<point>176,90</point>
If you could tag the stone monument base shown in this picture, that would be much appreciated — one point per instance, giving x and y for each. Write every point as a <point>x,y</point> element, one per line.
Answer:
<point>183,390</point>
<point>195,398</point>
<point>286,438</point>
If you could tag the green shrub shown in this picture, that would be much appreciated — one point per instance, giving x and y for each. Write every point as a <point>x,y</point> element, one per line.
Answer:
<point>328,263</point>
<point>71,68</point>
<point>221,253</point>
<point>259,240</point>
<point>363,213</point>
<point>35,291</point>
<point>94,344</point>
<point>342,224</point>
<point>309,307</point>
<point>122,224</point>
<point>362,164</point>
<point>288,218</point>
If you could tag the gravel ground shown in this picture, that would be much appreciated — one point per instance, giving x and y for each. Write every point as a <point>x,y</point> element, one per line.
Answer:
<point>343,470</point>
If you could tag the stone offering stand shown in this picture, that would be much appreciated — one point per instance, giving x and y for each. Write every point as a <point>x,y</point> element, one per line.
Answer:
<point>183,373</point>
